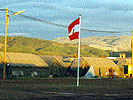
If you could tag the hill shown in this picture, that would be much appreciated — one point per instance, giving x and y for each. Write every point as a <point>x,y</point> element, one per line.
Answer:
<point>46,47</point>
<point>119,43</point>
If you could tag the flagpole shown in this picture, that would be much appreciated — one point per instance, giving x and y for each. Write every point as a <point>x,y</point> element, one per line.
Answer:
<point>132,54</point>
<point>78,52</point>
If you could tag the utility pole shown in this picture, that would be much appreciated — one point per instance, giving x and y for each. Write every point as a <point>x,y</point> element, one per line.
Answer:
<point>6,25</point>
<point>4,68</point>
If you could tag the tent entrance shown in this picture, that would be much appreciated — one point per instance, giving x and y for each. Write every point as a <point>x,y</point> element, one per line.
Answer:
<point>90,73</point>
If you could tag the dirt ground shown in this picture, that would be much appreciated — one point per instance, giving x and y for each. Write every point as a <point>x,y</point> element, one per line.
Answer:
<point>65,89</point>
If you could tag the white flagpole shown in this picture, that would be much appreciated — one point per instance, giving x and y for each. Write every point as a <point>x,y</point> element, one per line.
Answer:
<point>78,52</point>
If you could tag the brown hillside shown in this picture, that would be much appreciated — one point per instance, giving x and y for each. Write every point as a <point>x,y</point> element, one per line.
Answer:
<point>119,43</point>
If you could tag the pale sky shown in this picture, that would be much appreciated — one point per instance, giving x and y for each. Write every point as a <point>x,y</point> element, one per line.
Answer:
<point>112,15</point>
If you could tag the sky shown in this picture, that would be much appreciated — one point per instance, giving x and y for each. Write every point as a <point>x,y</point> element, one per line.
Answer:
<point>103,15</point>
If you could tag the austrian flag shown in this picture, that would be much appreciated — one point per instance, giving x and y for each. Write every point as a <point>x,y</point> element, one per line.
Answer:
<point>73,29</point>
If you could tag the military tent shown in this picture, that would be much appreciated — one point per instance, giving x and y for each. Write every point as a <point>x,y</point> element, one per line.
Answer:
<point>57,65</point>
<point>123,63</point>
<point>24,64</point>
<point>101,66</point>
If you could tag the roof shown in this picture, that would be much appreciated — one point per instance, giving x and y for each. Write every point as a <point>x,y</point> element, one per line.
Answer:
<point>24,59</point>
<point>68,61</point>
<point>75,62</point>
<point>50,60</point>
<point>112,58</point>
<point>123,61</point>
<point>102,62</point>
<point>128,60</point>
<point>94,61</point>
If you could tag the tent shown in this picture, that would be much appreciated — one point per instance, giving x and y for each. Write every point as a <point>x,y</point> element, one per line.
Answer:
<point>84,67</point>
<point>90,73</point>
<point>123,63</point>
<point>24,64</point>
<point>101,66</point>
<point>57,65</point>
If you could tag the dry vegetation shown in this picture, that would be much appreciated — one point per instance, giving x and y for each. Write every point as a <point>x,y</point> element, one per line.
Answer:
<point>120,43</point>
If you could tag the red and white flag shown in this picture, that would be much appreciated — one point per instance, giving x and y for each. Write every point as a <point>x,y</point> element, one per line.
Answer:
<point>73,29</point>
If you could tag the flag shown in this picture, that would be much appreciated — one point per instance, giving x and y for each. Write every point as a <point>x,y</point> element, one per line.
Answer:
<point>73,29</point>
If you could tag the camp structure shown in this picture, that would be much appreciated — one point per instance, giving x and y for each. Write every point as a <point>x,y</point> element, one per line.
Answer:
<point>58,65</point>
<point>94,66</point>
<point>83,67</point>
<point>24,65</point>
<point>124,64</point>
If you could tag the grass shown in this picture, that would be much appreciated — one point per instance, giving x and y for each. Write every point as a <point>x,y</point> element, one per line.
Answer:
<point>47,88</point>
<point>46,47</point>
<point>69,84</point>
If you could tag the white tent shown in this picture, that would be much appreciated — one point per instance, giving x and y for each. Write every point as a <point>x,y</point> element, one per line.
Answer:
<point>90,73</point>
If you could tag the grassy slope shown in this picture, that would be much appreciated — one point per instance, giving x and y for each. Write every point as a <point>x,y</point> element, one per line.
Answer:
<point>47,47</point>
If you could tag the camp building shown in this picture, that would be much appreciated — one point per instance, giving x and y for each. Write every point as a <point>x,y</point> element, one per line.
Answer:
<point>124,65</point>
<point>100,66</point>
<point>58,66</point>
<point>23,64</point>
